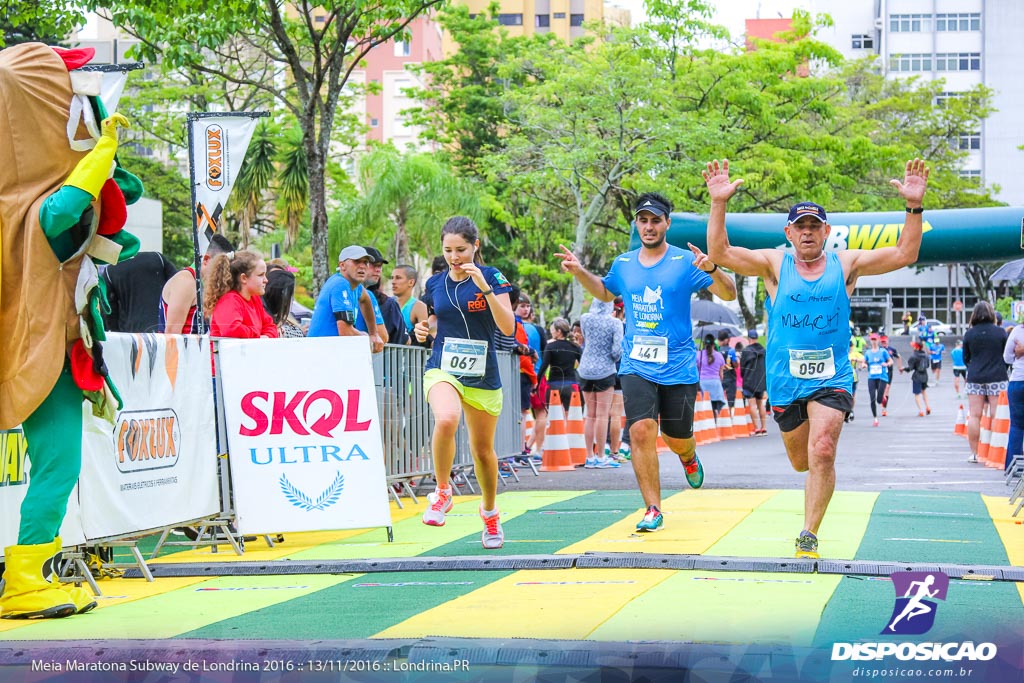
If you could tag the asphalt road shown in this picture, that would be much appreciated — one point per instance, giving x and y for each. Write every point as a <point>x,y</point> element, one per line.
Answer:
<point>905,452</point>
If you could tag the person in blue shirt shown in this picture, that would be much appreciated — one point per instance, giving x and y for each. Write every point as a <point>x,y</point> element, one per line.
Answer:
<point>878,362</point>
<point>334,313</point>
<point>809,373</point>
<point>935,351</point>
<point>894,354</point>
<point>469,302</point>
<point>658,370</point>
<point>959,366</point>
<point>923,331</point>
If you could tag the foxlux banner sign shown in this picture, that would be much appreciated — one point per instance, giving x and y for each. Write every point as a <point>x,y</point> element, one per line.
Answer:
<point>304,445</point>
<point>218,146</point>
<point>157,465</point>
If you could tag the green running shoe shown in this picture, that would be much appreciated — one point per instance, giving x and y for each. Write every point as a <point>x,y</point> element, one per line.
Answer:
<point>694,472</point>
<point>652,521</point>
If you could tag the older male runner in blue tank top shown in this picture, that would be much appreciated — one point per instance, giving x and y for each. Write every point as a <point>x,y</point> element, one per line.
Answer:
<point>659,360</point>
<point>809,373</point>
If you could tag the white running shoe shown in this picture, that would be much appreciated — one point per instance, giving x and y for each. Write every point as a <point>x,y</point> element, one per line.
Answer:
<point>493,536</point>
<point>439,504</point>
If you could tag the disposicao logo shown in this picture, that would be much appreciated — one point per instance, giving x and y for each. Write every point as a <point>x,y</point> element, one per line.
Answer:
<point>914,614</point>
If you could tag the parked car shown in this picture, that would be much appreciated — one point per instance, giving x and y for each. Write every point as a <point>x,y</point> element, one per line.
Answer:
<point>938,327</point>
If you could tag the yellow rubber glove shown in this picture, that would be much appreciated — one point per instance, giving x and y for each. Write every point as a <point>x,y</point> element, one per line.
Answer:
<point>94,169</point>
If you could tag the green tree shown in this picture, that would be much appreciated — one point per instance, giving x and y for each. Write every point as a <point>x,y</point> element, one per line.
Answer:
<point>45,21</point>
<point>254,181</point>
<point>316,57</point>
<point>406,198</point>
<point>580,125</point>
<point>462,107</point>
<point>292,185</point>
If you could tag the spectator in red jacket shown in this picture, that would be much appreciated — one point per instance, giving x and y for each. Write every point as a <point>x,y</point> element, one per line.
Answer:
<point>233,297</point>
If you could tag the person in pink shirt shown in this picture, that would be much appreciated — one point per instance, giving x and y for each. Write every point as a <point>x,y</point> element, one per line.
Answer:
<point>233,297</point>
<point>710,366</point>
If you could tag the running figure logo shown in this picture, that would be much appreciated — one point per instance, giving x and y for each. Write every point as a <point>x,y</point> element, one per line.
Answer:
<point>913,613</point>
<point>653,296</point>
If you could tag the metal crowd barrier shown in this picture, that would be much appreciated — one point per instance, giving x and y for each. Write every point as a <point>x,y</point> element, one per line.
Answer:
<point>407,424</point>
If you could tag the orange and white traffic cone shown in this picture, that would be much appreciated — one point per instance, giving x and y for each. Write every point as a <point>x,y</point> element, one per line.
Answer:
<point>574,428</point>
<point>704,420</point>
<point>985,440</point>
<point>960,428</point>
<point>741,424</point>
<point>725,424</point>
<point>1000,434</point>
<point>556,444</point>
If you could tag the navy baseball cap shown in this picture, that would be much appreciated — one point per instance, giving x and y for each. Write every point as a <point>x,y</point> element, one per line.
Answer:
<point>375,255</point>
<point>653,205</point>
<point>802,209</point>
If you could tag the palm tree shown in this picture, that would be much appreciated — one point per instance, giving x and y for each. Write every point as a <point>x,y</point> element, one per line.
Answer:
<point>292,184</point>
<point>406,197</point>
<point>254,180</point>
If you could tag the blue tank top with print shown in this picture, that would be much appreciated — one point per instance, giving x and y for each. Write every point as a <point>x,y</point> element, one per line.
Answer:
<point>808,333</point>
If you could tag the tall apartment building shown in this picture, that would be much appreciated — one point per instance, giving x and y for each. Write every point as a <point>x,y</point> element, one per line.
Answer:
<point>564,18</point>
<point>964,42</point>
<point>388,66</point>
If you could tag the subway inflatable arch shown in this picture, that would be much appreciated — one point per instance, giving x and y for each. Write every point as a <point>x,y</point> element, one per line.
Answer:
<point>950,235</point>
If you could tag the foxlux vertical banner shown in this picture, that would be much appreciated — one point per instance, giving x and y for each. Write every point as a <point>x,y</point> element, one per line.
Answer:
<point>304,436</point>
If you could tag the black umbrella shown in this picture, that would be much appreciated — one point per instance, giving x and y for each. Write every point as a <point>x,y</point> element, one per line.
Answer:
<point>710,312</point>
<point>1009,272</point>
<point>701,329</point>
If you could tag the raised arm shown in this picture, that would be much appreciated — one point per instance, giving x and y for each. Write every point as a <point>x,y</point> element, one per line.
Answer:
<point>722,284</point>
<point>754,262</point>
<point>590,282</point>
<point>860,262</point>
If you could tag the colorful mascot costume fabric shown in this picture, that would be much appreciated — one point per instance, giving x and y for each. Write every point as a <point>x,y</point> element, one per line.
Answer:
<point>63,204</point>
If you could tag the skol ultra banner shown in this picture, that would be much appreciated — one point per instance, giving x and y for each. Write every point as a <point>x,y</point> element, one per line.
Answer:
<point>157,464</point>
<point>15,473</point>
<point>304,436</point>
<point>950,235</point>
<point>217,146</point>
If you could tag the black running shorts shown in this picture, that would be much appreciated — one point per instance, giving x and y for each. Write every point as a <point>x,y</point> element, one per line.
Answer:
<point>795,414</point>
<point>597,385</point>
<point>672,403</point>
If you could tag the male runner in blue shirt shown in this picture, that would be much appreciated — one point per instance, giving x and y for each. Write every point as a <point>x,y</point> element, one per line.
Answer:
<point>809,373</point>
<point>658,372</point>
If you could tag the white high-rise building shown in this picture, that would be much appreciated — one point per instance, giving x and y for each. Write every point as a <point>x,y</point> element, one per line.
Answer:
<point>964,42</point>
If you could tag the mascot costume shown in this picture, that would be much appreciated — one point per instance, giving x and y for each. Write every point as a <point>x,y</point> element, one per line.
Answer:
<point>63,200</point>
